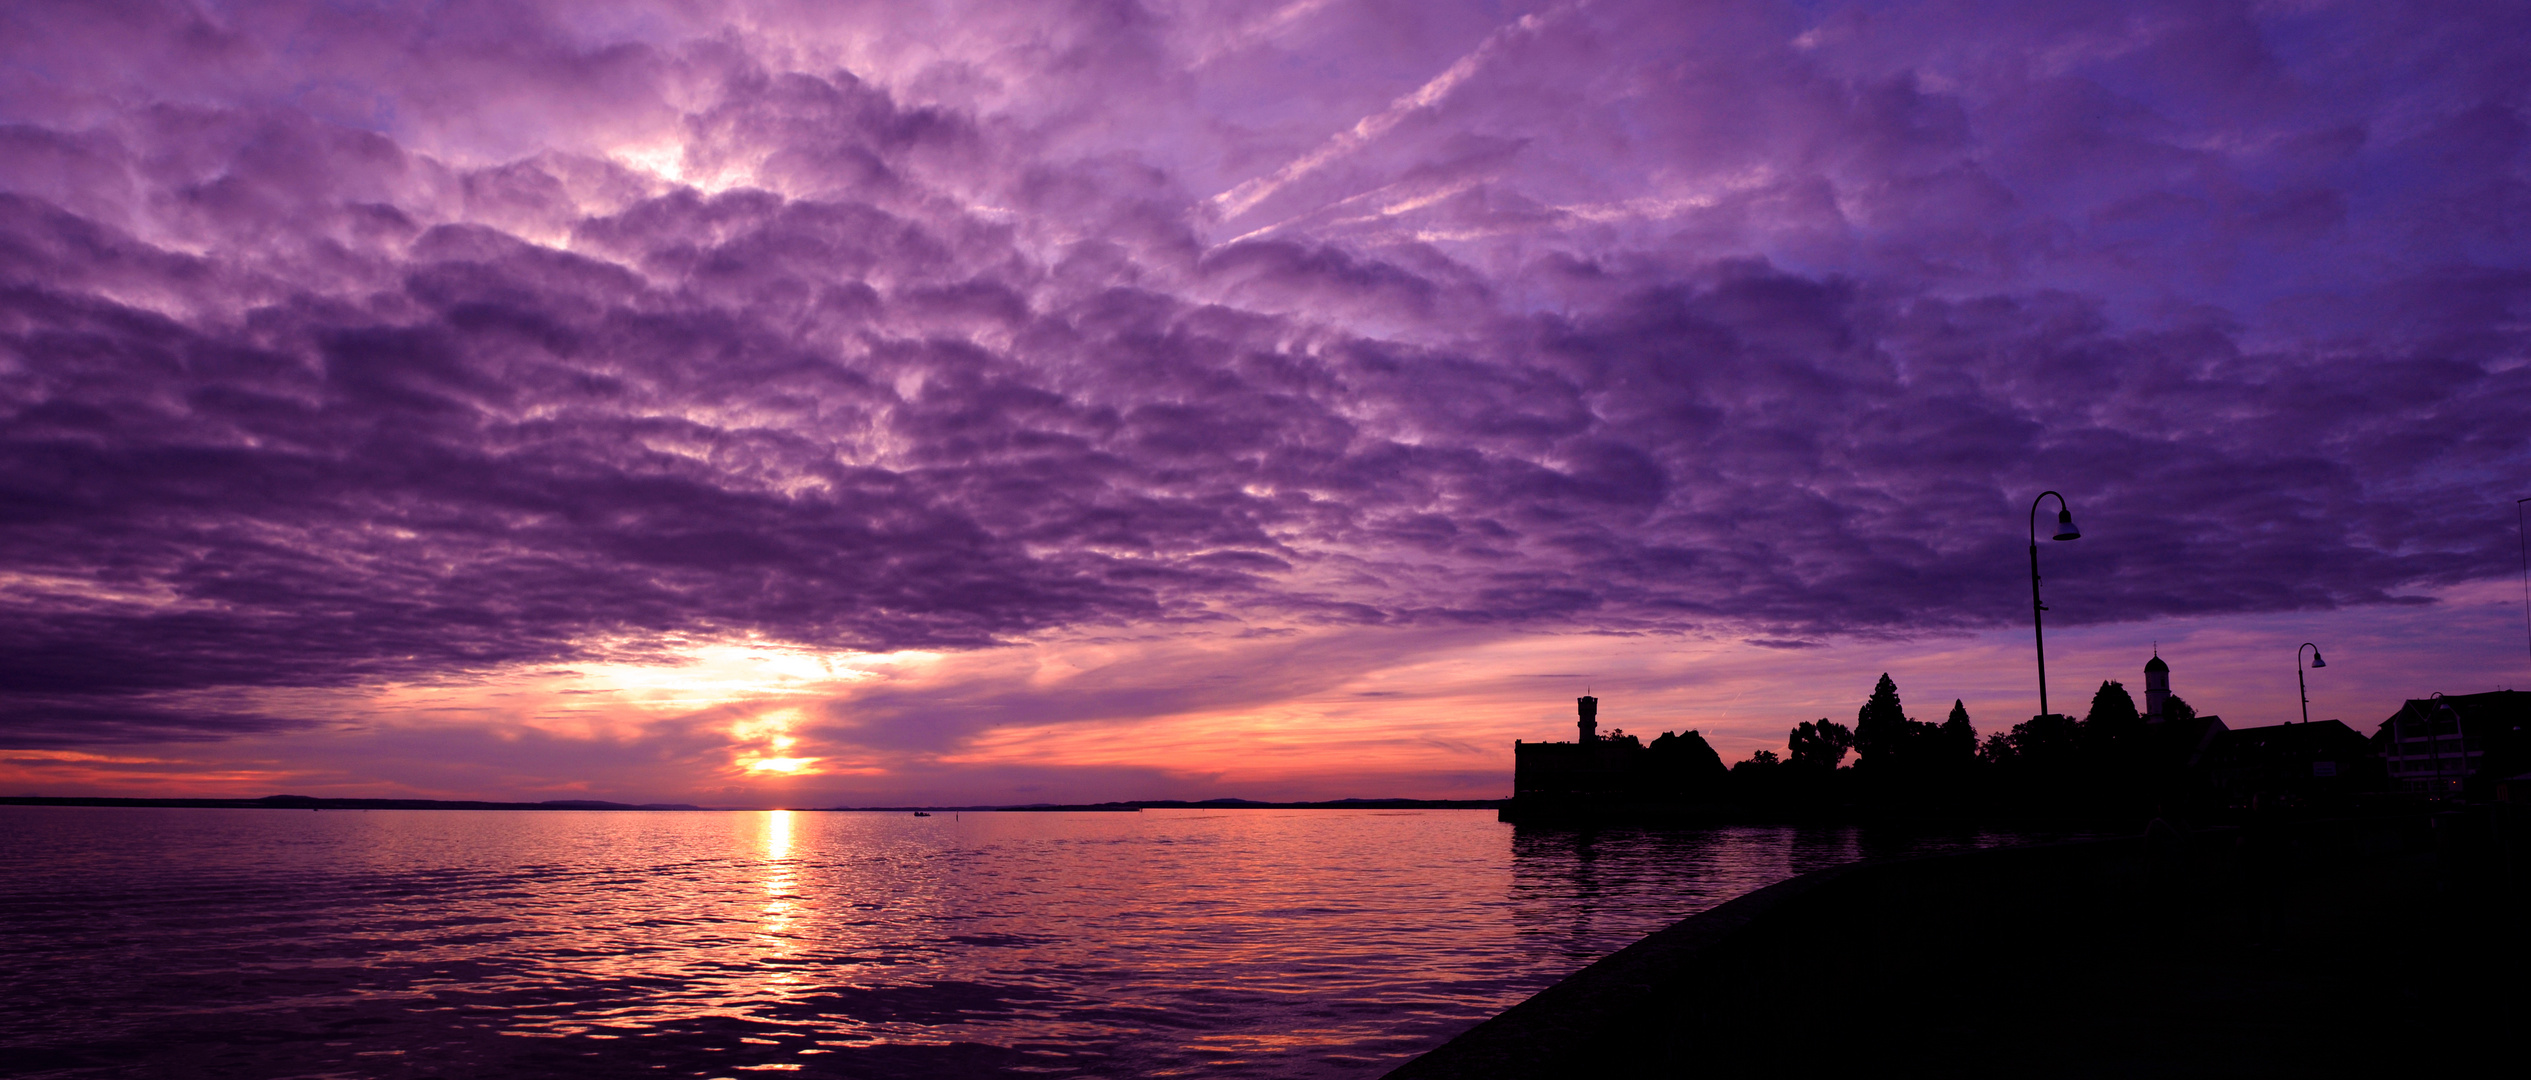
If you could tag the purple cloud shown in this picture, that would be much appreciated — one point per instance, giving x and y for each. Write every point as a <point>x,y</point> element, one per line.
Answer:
<point>338,351</point>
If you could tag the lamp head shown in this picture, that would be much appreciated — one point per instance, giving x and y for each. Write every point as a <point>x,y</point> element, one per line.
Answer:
<point>2316,661</point>
<point>2065,529</point>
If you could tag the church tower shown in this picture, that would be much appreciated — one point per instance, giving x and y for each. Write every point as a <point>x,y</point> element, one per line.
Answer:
<point>1590,717</point>
<point>2157,686</point>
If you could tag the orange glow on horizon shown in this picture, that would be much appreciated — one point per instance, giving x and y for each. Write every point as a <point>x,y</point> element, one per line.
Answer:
<point>1320,714</point>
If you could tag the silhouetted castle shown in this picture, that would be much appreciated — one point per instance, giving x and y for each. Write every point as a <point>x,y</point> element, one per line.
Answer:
<point>1614,776</point>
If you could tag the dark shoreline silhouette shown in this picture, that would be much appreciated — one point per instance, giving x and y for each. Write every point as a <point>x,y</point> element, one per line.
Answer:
<point>2116,766</point>
<point>2275,948</point>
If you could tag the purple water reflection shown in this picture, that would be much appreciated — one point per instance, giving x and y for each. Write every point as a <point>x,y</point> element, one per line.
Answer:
<point>265,943</point>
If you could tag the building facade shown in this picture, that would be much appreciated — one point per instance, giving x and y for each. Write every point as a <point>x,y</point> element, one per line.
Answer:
<point>2439,746</point>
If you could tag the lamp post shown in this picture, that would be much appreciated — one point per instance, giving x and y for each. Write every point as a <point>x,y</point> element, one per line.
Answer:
<point>2434,737</point>
<point>2317,662</point>
<point>2522,539</point>
<point>2065,530</point>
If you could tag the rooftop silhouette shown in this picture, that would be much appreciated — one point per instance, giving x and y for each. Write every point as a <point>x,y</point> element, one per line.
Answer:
<point>2114,763</point>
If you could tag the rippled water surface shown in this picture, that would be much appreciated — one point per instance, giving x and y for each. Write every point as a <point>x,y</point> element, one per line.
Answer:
<point>1301,943</point>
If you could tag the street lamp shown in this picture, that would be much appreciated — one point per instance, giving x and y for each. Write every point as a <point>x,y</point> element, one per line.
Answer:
<point>2317,662</point>
<point>2065,530</point>
<point>2522,538</point>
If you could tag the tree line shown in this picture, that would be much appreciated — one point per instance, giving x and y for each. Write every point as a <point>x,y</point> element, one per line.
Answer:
<point>2109,761</point>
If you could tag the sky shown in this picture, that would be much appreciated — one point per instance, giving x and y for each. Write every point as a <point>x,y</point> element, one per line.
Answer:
<point>764,404</point>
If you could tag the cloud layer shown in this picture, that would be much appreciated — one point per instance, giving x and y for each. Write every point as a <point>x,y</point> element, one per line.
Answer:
<point>349,349</point>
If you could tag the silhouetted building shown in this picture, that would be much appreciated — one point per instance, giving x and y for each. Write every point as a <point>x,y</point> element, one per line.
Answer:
<point>2323,761</point>
<point>2157,687</point>
<point>1612,776</point>
<point>2442,747</point>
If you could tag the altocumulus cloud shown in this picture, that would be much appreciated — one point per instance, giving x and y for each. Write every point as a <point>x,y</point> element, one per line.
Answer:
<point>344,347</point>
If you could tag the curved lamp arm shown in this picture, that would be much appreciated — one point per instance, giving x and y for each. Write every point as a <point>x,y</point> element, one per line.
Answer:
<point>2065,530</point>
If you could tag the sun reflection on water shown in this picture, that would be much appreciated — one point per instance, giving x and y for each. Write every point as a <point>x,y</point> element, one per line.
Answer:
<point>778,838</point>
<point>778,943</point>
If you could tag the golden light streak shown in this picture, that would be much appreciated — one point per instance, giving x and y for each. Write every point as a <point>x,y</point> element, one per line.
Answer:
<point>771,734</point>
<point>786,766</point>
<point>777,843</point>
<point>647,682</point>
<point>775,933</point>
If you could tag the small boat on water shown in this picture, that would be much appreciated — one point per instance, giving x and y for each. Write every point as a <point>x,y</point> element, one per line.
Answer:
<point>922,813</point>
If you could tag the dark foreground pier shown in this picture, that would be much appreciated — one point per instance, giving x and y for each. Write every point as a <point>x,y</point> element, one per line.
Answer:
<point>2302,949</point>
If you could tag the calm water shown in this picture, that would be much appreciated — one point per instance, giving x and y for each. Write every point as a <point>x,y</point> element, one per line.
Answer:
<point>1307,943</point>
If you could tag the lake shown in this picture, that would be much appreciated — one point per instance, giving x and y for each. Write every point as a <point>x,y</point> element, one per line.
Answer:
<point>1269,943</point>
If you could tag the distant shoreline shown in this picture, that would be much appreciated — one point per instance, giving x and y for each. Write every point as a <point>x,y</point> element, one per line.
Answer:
<point>309,802</point>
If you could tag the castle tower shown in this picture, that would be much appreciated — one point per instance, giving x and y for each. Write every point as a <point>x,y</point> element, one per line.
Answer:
<point>1590,717</point>
<point>2157,686</point>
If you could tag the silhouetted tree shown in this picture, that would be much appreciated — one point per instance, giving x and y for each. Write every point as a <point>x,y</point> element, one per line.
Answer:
<point>1687,750</point>
<point>2169,771</point>
<point>2114,751</point>
<point>1817,747</point>
<point>2047,746</point>
<point>1904,762</point>
<point>1881,735</point>
<point>2113,712</point>
<point>1762,760</point>
<point>1686,766</point>
<point>2113,732</point>
<point>1997,751</point>
<point>2037,761</point>
<point>2177,710</point>
<point>1759,781</point>
<point>1959,737</point>
<point>2107,763</point>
